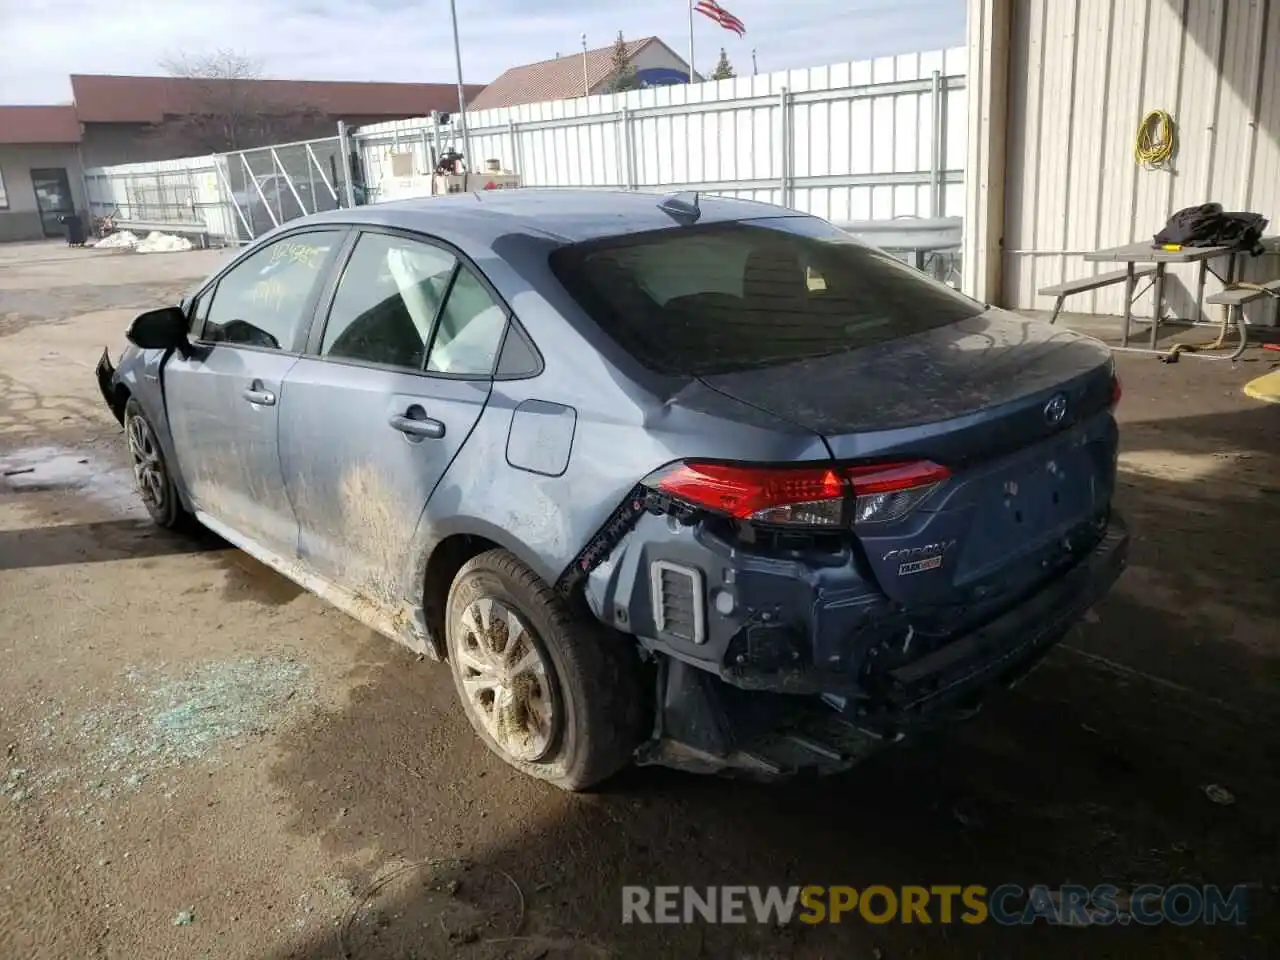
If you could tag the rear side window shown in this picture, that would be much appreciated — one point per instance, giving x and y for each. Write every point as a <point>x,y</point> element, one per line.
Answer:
<point>470,329</point>
<point>720,298</point>
<point>387,301</point>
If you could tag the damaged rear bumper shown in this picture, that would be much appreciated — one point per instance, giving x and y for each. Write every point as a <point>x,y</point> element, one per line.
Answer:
<point>105,372</point>
<point>997,653</point>
<point>812,671</point>
<point>959,675</point>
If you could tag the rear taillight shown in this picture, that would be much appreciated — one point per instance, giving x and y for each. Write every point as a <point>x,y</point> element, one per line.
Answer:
<point>890,491</point>
<point>1117,391</point>
<point>809,496</point>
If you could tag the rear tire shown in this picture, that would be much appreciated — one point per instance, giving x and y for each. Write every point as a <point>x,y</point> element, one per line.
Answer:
<point>150,469</point>
<point>554,694</point>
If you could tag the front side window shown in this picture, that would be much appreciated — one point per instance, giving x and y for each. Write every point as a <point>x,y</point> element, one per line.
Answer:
<point>726,297</point>
<point>387,300</point>
<point>262,301</point>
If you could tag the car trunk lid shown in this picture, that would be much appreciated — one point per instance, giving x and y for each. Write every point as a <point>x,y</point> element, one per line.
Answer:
<point>939,389</point>
<point>1018,410</point>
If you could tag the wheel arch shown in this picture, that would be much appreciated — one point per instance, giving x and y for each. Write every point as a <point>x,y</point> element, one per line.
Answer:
<point>149,395</point>
<point>451,545</point>
<point>120,395</point>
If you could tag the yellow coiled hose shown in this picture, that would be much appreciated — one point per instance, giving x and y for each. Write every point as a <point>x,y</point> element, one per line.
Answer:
<point>1154,144</point>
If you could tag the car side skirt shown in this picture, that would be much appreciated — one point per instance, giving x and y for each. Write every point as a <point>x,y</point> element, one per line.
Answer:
<point>399,624</point>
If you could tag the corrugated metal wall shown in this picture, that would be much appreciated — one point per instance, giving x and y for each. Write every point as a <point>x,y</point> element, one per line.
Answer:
<point>1082,74</point>
<point>856,141</point>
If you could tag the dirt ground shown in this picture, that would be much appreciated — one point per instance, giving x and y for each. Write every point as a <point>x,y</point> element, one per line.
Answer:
<point>197,759</point>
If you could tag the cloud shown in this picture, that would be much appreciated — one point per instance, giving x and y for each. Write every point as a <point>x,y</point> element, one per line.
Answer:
<point>410,40</point>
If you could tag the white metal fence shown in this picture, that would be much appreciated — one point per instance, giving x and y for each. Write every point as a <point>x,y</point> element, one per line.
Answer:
<point>183,192</point>
<point>861,141</point>
<point>867,140</point>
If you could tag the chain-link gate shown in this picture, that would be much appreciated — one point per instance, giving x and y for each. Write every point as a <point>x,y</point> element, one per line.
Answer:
<point>232,198</point>
<point>269,186</point>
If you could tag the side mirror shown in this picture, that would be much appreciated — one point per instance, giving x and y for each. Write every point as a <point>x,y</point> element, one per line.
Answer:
<point>163,329</point>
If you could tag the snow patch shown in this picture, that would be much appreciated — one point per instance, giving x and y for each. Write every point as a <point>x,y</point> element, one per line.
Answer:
<point>118,240</point>
<point>157,242</point>
<point>154,242</point>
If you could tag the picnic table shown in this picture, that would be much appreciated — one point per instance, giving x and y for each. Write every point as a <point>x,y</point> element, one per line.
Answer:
<point>919,237</point>
<point>1132,254</point>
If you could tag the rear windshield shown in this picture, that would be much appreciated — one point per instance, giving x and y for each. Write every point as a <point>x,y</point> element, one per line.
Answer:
<point>725,297</point>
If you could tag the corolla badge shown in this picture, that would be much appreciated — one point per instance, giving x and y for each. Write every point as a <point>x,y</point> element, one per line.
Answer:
<point>929,556</point>
<point>1056,408</point>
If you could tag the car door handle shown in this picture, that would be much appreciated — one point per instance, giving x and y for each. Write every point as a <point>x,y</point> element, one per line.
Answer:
<point>426,428</point>
<point>258,397</point>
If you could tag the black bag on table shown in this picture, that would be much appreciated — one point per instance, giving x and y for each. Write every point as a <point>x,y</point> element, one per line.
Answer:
<point>1208,225</point>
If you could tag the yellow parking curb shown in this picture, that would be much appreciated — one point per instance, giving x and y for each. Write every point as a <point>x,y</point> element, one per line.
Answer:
<point>1265,387</point>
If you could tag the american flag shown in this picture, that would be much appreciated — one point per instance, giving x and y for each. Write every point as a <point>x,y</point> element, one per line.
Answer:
<point>713,10</point>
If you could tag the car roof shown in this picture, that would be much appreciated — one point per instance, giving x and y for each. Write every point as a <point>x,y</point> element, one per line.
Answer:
<point>572,216</point>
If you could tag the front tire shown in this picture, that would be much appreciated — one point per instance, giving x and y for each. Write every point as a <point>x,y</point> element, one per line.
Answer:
<point>151,472</point>
<point>554,694</point>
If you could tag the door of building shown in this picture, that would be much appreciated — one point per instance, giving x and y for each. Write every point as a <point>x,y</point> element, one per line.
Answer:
<point>53,198</point>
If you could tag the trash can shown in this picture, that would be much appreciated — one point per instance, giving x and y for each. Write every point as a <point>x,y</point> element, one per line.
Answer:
<point>75,229</point>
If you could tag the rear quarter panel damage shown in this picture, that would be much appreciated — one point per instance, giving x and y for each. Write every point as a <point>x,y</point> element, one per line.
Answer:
<point>546,519</point>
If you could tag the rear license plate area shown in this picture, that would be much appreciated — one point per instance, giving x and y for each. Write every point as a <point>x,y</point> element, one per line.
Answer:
<point>1030,504</point>
<point>1055,491</point>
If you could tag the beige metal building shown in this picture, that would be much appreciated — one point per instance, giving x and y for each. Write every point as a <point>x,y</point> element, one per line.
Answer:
<point>1057,91</point>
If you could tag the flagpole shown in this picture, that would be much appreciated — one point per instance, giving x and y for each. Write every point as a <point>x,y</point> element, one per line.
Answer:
<point>691,72</point>
<point>462,98</point>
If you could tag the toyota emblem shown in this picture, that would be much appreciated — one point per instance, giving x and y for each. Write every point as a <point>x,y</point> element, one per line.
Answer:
<point>1056,408</point>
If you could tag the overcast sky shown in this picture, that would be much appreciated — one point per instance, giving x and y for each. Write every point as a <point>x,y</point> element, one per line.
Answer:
<point>409,40</point>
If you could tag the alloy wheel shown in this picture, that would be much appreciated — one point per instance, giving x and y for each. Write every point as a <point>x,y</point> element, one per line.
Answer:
<point>506,680</point>
<point>148,467</point>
